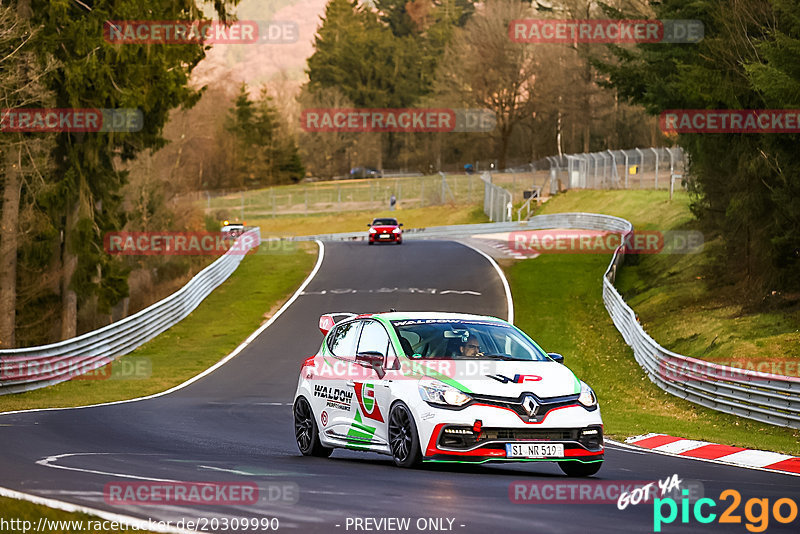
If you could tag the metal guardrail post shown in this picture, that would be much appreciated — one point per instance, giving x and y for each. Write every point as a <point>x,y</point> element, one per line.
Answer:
<point>624,153</point>
<point>641,166</point>
<point>656,153</point>
<point>614,172</point>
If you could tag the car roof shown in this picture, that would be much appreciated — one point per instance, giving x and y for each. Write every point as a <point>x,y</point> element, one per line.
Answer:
<point>401,316</point>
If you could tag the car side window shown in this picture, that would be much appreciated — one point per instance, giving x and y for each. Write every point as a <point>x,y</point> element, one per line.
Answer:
<point>342,342</point>
<point>373,338</point>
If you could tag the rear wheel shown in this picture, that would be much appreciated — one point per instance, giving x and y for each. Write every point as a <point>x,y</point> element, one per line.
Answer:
<point>403,437</point>
<point>575,468</point>
<point>306,431</point>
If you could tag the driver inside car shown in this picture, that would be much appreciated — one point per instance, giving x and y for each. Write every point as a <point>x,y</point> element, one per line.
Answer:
<point>470,348</point>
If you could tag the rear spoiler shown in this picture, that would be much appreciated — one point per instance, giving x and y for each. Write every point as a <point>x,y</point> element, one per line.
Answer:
<point>328,320</point>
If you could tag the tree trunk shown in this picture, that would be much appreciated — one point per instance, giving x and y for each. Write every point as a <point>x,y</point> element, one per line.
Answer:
<point>69,262</point>
<point>9,228</point>
<point>587,107</point>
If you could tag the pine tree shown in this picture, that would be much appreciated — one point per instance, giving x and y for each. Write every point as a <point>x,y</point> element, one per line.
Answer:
<point>93,73</point>
<point>745,186</point>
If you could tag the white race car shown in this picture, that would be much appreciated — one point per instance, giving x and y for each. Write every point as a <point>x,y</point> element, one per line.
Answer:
<point>444,387</point>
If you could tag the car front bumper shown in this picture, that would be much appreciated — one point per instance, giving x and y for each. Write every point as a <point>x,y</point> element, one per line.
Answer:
<point>453,436</point>
<point>381,238</point>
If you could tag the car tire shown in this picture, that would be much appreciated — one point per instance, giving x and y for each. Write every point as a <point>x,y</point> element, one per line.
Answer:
<point>575,468</point>
<point>371,243</point>
<point>306,432</point>
<point>400,242</point>
<point>403,437</point>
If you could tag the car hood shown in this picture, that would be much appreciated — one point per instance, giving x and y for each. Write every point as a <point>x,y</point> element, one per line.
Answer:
<point>383,227</point>
<point>504,378</point>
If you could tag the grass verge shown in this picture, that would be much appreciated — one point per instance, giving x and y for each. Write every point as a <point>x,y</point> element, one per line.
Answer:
<point>558,300</point>
<point>58,522</point>
<point>328,223</point>
<point>254,291</point>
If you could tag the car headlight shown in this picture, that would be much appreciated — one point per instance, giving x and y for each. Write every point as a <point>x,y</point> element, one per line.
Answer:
<point>373,231</point>
<point>437,392</point>
<point>396,231</point>
<point>587,398</point>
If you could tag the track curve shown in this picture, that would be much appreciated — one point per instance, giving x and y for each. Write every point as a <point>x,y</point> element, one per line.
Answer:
<point>235,424</point>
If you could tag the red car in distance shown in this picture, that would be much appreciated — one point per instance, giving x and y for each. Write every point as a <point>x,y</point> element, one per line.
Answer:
<point>385,230</point>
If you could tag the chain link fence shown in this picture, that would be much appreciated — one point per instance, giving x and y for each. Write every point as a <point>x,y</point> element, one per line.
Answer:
<point>497,201</point>
<point>349,195</point>
<point>636,168</point>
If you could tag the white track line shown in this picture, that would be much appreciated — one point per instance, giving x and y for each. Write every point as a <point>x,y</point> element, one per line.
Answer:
<point>506,287</point>
<point>50,462</point>
<point>129,520</point>
<point>217,365</point>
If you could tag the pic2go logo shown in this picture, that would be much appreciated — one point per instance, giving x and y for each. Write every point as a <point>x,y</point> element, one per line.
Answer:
<point>757,511</point>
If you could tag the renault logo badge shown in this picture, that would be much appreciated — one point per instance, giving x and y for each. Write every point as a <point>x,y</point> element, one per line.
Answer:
<point>530,405</point>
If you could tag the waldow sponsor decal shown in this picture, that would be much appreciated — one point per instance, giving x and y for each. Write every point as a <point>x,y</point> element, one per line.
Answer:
<point>335,397</point>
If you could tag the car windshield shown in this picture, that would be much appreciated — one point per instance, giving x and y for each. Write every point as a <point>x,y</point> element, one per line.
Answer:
<point>384,222</point>
<point>453,339</point>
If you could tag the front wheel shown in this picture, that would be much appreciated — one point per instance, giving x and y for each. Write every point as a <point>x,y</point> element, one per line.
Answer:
<point>306,432</point>
<point>575,468</point>
<point>403,437</point>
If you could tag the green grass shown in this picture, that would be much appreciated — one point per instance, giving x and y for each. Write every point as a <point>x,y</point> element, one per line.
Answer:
<point>684,307</point>
<point>226,317</point>
<point>26,511</point>
<point>558,300</point>
<point>325,223</point>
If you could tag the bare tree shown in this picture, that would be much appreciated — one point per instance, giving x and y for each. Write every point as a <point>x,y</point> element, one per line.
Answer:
<point>485,69</point>
<point>326,154</point>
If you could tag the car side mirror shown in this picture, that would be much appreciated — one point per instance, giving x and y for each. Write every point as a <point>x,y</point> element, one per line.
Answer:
<point>401,224</point>
<point>369,225</point>
<point>372,359</point>
<point>558,358</point>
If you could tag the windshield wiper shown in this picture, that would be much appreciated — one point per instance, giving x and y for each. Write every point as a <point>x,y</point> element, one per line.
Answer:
<point>500,357</point>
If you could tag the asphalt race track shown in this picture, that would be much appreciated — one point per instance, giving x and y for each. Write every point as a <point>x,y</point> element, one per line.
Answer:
<point>235,425</point>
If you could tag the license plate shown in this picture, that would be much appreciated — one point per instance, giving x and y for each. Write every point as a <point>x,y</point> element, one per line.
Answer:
<point>384,236</point>
<point>534,450</point>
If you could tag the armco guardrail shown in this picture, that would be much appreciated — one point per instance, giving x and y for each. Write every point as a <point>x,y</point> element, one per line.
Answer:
<point>768,398</point>
<point>35,367</point>
<point>763,397</point>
